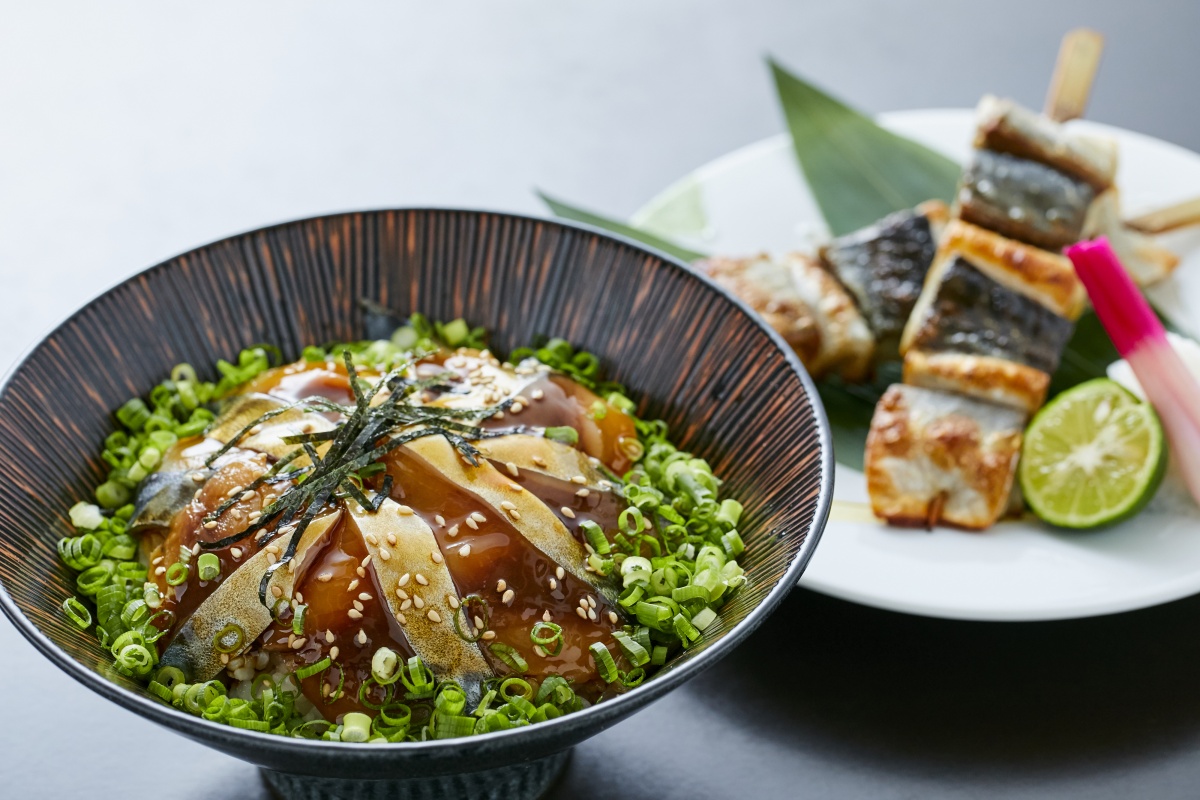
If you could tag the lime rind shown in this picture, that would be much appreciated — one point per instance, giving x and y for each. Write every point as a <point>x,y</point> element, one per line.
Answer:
<point>1092,457</point>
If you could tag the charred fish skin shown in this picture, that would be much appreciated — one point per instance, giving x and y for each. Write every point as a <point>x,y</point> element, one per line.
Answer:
<point>1024,199</point>
<point>883,266</point>
<point>938,457</point>
<point>972,314</point>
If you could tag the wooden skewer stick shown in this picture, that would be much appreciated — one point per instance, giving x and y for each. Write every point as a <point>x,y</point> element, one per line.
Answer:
<point>1173,217</point>
<point>1078,60</point>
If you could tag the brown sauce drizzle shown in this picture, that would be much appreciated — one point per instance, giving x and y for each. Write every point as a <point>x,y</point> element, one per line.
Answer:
<point>601,507</point>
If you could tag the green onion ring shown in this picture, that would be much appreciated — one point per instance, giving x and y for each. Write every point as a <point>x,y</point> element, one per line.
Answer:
<point>220,643</point>
<point>177,573</point>
<point>552,644</point>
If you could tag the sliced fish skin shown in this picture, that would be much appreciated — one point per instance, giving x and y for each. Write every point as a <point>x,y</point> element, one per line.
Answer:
<point>1006,127</point>
<point>1023,199</point>
<point>970,313</point>
<point>884,266</point>
<point>437,643</point>
<point>161,496</point>
<point>937,457</point>
<point>242,410</point>
<point>236,601</point>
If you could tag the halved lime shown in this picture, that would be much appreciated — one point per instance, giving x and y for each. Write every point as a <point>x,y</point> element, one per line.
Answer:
<point>1093,456</point>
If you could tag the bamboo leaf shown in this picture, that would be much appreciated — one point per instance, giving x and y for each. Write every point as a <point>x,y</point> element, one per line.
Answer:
<point>857,171</point>
<point>566,211</point>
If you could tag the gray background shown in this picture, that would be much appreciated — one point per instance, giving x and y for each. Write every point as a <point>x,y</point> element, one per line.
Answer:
<point>132,131</point>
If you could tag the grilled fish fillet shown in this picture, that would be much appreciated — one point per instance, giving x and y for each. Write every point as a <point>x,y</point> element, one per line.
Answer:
<point>806,305</point>
<point>938,457</point>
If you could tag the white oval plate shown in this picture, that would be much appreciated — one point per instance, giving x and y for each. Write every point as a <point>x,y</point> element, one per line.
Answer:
<point>754,199</point>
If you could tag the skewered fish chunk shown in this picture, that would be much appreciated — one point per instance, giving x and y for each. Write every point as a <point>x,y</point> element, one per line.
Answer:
<point>804,303</point>
<point>1005,127</point>
<point>1023,199</point>
<point>1146,261</point>
<point>938,457</point>
<point>884,265</point>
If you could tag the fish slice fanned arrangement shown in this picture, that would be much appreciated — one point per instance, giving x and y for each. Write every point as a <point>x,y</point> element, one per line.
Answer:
<point>398,540</point>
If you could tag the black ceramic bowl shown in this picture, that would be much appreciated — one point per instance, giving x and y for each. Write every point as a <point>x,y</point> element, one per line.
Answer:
<point>690,354</point>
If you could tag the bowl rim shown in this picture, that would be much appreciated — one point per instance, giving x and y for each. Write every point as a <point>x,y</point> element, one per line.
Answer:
<point>598,716</point>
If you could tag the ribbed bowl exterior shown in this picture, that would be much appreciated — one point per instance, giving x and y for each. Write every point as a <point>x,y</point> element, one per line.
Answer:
<point>690,354</point>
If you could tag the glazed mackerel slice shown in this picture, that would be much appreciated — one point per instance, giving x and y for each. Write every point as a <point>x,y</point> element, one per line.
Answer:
<point>884,266</point>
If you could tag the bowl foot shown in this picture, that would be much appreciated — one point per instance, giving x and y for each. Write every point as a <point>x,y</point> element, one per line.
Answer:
<point>527,781</point>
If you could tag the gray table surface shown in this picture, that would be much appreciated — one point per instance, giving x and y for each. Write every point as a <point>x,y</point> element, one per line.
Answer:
<point>132,131</point>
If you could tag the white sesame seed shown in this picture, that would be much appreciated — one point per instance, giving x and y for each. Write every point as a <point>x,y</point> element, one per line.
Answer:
<point>224,658</point>
<point>329,637</point>
<point>512,469</point>
<point>452,531</point>
<point>568,513</point>
<point>417,601</point>
<point>475,515</point>
<point>559,573</point>
<point>613,618</point>
<point>591,601</point>
<point>271,558</point>
<point>472,524</point>
<point>236,552</point>
<point>365,597</point>
<point>372,539</point>
<point>434,616</point>
<point>403,595</point>
<point>582,614</point>
<point>553,584</point>
<point>325,577</point>
<point>516,515</point>
<point>358,606</point>
<point>501,585</point>
<point>404,579</point>
<point>352,586</point>
<point>516,487</point>
<point>160,570</point>
<point>299,643</point>
<point>488,635</point>
<point>537,648</point>
<point>439,519</point>
<point>582,493</point>
<point>546,615</point>
<point>508,597</point>
<point>275,590</point>
<point>464,551</point>
<point>403,620</point>
<point>541,462</point>
<point>452,601</point>
<point>421,579</point>
<point>272,548</point>
<point>333,653</point>
<point>537,394</point>
<point>516,408</point>
<point>384,553</point>
<point>507,505</point>
<point>436,555</point>
<point>210,524</point>
<point>406,605</point>
<point>354,613</point>
<point>579,479</point>
<point>391,539</point>
<point>592,614</point>
<point>366,561</point>
<point>404,511</point>
<point>361,638</point>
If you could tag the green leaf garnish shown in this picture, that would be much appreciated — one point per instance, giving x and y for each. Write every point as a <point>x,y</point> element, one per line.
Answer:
<point>857,171</point>
<point>566,211</point>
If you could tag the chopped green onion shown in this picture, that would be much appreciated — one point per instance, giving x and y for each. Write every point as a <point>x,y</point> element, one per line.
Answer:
<point>298,619</point>
<point>733,544</point>
<point>521,688</point>
<point>563,434</point>
<point>86,517</point>
<point>595,537</point>
<point>683,594</point>
<point>452,726</point>
<point>77,612</point>
<point>632,678</point>
<point>315,668</point>
<point>177,573</point>
<point>417,679</point>
<point>658,656</point>
<point>633,651</point>
<point>509,656</point>
<point>604,662</point>
<point>705,617</point>
<point>356,727</point>
<point>385,666</point>
<point>208,566</point>
<point>548,636</point>
<point>229,639</point>
<point>463,618</point>
<point>685,629</point>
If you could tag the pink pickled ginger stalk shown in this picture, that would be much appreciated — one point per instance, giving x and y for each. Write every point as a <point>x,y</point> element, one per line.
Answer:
<point>1140,339</point>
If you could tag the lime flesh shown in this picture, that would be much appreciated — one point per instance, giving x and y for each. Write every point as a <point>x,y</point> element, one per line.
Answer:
<point>1093,456</point>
